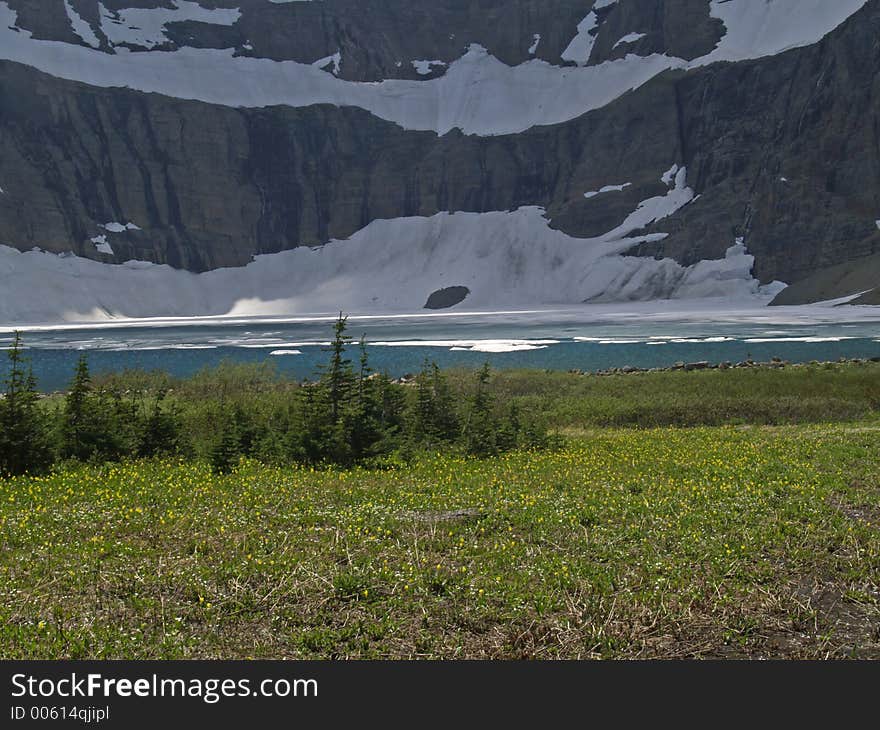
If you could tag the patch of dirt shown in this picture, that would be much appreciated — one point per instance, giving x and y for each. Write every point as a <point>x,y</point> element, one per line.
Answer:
<point>852,627</point>
<point>866,514</point>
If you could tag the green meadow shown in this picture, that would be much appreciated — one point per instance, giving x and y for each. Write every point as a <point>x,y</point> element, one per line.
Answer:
<point>731,514</point>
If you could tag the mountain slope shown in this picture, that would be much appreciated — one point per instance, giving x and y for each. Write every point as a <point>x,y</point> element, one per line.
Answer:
<point>640,146</point>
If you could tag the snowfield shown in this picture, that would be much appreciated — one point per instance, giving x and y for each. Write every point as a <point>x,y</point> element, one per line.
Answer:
<point>504,258</point>
<point>478,94</point>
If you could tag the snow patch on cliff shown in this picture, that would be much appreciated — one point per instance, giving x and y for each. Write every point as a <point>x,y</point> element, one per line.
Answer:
<point>629,38</point>
<point>479,94</point>
<point>533,49</point>
<point>423,68</point>
<point>115,227</point>
<point>101,245</point>
<point>581,45</point>
<point>607,189</point>
<point>654,209</point>
<point>145,28</point>
<point>757,28</point>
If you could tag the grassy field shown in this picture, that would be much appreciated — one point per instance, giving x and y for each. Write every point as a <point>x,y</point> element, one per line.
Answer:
<point>733,541</point>
<point>563,402</point>
<point>795,394</point>
<point>825,392</point>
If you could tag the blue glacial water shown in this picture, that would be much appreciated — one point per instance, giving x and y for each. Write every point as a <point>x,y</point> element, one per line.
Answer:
<point>575,338</point>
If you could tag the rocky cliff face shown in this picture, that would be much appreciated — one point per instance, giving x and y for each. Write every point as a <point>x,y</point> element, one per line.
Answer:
<point>252,127</point>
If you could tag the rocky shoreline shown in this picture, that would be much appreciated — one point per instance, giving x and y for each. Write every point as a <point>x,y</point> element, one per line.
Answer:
<point>773,364</point>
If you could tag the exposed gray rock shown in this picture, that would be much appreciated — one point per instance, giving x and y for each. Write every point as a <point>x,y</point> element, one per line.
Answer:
<point>681,28</point>
<point>447,297</point>
<point>782,150</point>
<point>377,39</point>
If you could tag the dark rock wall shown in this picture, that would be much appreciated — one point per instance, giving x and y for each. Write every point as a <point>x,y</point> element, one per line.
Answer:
<point>787,153</point>
<point>212,186</point>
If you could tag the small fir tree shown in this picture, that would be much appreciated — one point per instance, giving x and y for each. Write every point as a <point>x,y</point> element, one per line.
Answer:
<point>227,449</point>
<point>24,441</point>
<point>480,428</point>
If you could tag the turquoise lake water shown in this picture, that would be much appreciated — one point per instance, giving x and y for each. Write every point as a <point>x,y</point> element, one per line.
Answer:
<point>589,339</point>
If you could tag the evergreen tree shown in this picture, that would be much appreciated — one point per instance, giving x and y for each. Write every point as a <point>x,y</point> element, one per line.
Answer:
<point>78,427</point>
<point>24,442</point>
<point>392,400</point>
<point>422,423</point>
<point>446,425</point>
<point>534,435</point>
<point>247,429</point>
<point>365,369</point>
<point>480,428</point>
<point>331,408</point>
<point>377,413</point>
<point>100,426</point>
<point>308,431</point>
<point>435,417</point>
<point>227,448</point>
<point>364,411</point>
<point>321,432</point>
<point>119,423</point>
<point>508,434</point>
<point>338,377</point>
<point>274,445</point>
<point>161,429</point>
<point>348,416</point>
